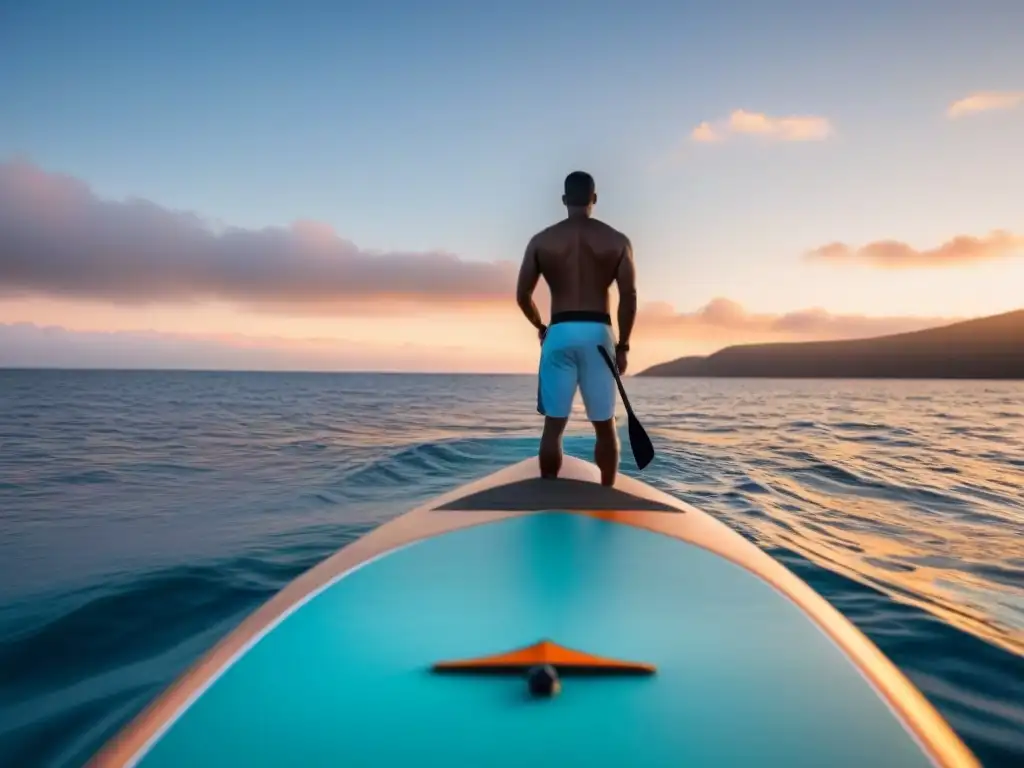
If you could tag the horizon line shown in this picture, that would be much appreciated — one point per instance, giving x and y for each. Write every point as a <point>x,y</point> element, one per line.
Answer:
<point>315,371</point>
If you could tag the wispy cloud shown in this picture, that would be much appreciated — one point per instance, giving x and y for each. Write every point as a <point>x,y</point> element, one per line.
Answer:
<point>985,101</point>
<point>58,238</point>
<point>893,254</point>
<point>741,122</point>
<point>722,314</point>
<point>706,133</point>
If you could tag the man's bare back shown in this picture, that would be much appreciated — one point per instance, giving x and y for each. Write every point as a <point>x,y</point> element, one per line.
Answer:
<point>580,258</point>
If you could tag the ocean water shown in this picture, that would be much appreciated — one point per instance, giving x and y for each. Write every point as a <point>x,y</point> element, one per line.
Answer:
<point>144,514</point>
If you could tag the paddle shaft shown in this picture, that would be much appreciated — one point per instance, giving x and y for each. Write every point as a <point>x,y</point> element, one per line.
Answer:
<point>618,381</point>
<point>639,442</point>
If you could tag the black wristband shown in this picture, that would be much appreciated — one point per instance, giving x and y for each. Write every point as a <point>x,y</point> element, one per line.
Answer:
<point>622,346</point>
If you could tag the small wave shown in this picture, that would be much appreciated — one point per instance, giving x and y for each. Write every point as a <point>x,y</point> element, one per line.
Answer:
<point>863,426</point>
<point>107,625</point>
<point>718,430</point>
<point>85,477</point>
<point>836,474</point>
<point>890,565</point>
<point>450,460</point>
<point>802,425</point>
<point>165,468</point>
<point>750,486</point>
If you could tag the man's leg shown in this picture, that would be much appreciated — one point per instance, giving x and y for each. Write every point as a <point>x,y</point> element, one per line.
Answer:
<point>599,396</point>
<point>551,446</point>
<point>556,389</point>
<point>606,450</point>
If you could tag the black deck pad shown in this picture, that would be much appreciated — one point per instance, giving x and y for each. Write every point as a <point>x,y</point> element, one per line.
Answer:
<point>536,494</point>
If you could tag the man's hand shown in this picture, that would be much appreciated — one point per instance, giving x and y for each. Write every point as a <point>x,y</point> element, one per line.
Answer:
<point>620,359</point>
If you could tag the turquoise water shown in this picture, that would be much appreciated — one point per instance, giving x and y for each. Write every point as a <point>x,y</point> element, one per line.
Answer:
<point>142,515</point>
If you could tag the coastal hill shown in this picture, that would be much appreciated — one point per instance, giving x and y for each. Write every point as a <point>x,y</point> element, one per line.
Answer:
<point>985,348</point>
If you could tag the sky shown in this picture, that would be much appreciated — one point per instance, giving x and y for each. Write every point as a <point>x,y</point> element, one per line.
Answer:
<point>351,186</point>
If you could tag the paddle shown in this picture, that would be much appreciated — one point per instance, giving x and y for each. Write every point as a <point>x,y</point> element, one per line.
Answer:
<point>643,449</point>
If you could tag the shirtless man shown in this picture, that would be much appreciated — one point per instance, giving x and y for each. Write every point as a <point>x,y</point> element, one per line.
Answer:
<point>579,257</point>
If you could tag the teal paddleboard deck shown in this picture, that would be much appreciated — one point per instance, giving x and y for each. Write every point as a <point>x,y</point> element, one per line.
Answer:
<point>673,639</point>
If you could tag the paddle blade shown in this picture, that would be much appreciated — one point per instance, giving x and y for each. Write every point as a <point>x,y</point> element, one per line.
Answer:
<point>643,448</point>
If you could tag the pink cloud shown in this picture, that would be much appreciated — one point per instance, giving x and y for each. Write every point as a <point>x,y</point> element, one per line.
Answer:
<point>58,238</point>
<point>985,101</point>
<point>725,317</point>
<point>705,133</point>
<point>893,254</point>
<point>742,122</point>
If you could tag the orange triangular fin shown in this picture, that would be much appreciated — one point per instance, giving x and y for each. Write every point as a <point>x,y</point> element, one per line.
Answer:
<point>544,652</point>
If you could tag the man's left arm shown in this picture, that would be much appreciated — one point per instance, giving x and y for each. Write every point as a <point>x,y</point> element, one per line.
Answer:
<point>529,275</point>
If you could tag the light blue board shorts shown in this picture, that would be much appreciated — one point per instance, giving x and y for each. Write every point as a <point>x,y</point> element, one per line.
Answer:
<point>569,359</point>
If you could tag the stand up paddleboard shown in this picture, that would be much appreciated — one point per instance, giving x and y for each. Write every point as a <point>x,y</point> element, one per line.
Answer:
<point>517,622</point>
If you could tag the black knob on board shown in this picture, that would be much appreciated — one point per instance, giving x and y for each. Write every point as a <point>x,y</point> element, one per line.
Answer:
<point>543,681</point>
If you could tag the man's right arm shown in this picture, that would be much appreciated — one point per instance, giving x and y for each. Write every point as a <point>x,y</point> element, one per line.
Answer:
<point>529,276</point>
<point>625,280</point>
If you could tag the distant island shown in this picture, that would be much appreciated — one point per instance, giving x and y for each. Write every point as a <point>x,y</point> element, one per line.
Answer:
<point>985,348</point>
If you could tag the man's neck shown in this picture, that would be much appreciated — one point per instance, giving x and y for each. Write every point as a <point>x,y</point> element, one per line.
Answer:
<point>578,213</point>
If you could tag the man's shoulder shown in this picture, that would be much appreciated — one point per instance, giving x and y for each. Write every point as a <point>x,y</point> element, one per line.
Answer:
<point>611,233</point>
<point>549,232</point>
<point>557,231</point>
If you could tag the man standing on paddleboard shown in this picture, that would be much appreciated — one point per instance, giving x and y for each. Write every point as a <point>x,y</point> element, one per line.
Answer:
<point>579,258</point>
